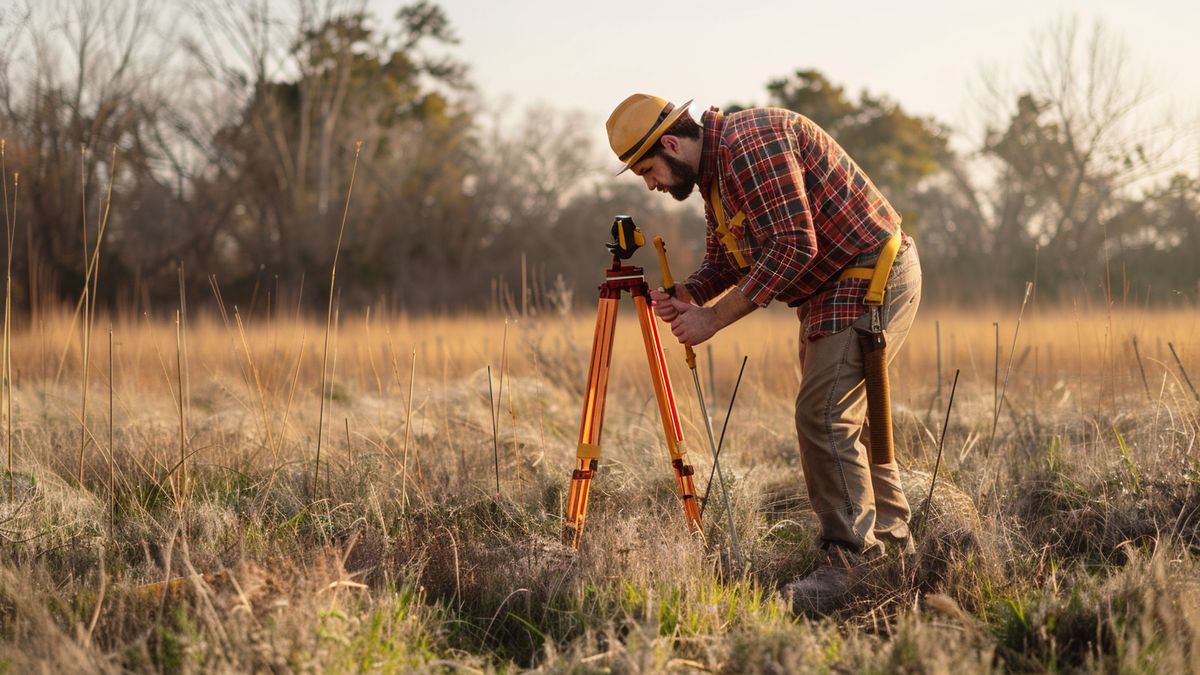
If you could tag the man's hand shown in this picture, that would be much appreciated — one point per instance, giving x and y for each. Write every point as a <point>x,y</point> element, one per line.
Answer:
<point>695,324</point>
<point>691,324</point>
<point>668,307</point>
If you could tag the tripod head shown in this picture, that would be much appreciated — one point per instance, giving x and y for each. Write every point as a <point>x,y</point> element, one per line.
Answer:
<point>626,238</point>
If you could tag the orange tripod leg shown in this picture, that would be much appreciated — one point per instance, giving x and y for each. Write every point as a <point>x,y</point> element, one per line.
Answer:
<point>588,450</point>
<point>667,409</point>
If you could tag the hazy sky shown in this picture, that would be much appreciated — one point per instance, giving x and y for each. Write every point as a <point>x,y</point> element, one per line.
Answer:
<point>928,55</point>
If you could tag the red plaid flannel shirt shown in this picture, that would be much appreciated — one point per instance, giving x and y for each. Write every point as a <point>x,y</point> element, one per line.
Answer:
<point>810,213</point>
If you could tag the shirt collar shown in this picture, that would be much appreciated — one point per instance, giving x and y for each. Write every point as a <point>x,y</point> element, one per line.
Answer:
<point>711,134</point>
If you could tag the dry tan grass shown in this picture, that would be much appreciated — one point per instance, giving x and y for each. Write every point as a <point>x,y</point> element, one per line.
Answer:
<point>1069,545</point>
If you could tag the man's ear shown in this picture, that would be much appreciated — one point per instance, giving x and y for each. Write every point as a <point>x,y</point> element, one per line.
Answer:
<point>670,143</point>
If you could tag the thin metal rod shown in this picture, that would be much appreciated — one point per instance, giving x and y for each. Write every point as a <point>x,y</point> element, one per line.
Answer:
<point>721,441</point>
<point>712,445</point>
<point>712,372</point>
<point>1137,353</point>
<point>938,462</point>
<point>1182,370</point>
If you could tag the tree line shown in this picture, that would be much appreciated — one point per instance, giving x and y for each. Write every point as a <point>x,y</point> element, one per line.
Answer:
<point>236,125</point>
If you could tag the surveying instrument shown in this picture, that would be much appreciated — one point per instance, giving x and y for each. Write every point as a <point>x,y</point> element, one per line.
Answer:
<point>621,278</point>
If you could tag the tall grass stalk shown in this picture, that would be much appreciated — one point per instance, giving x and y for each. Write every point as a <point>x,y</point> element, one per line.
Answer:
<point>524,287</point>
<point>112,448</point>
<point>182,414</point>
<point>337,331</point>
<point>349,448</point>
<point>500,396</point>
<point>1130,466</point>
<point>462,452</point>
<point>186,391</point>
<point>91,279</point>
<point>1109,336</point>
<point>90,273</point>
<point>287,410</point>
<point>6,351</point>
<point>216,289</point>
<point>996,371</point>
<point>329,309</point>
<point>277,444</point>
<point>86,338</point>
<point>512,431</point>
<point>937,338</point>
<point>412,373</point>
<point>1008,368</point>
<point>371,353</point>
<point>102,219</point>
<point>495,440</point>
<point>254,378</point>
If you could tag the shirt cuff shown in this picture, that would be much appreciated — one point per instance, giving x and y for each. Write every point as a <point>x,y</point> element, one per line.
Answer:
<point>703,291</point>
<point>757,290</point>
<point>694,290</point>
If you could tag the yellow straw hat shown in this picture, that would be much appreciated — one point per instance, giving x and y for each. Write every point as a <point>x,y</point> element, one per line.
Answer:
<point>639,121</point>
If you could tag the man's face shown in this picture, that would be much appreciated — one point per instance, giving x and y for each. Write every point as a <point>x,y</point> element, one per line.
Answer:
<point>666,172</point>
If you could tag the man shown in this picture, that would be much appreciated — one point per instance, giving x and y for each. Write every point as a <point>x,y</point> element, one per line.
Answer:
<point>788,212</point>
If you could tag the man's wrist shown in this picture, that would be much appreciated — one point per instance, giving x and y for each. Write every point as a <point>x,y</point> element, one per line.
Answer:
<point>682,293</point>
<point>733,306</point>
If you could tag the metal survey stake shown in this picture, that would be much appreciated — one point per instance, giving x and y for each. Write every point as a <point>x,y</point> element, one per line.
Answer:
<point>669,287</point>
<point>721,439</point>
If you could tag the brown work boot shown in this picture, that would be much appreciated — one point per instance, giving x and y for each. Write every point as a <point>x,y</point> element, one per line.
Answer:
<point>827,587</point>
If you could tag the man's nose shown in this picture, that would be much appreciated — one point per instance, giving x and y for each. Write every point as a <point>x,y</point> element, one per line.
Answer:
<point>650,182</point>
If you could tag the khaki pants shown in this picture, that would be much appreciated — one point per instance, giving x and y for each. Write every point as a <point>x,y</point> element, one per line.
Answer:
<point>857,503</point>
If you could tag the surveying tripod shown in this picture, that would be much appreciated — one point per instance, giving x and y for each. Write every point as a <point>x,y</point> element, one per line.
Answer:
<point>618,279</point>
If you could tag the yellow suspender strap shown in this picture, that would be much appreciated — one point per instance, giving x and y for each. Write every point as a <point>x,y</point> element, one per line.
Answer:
<point>724,229</point>
<point>878,274</point>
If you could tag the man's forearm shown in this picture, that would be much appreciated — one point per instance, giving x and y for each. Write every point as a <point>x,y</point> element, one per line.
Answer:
<point>709,281</point>
<point>693,325</point>
<point>733,306</point>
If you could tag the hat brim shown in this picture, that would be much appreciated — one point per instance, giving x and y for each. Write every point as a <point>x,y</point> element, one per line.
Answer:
<point>654,136</point>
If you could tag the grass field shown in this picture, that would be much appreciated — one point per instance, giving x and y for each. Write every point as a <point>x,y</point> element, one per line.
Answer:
<point>205,536</point>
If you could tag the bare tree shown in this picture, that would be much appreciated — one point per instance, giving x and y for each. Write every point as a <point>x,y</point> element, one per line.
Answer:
<point>1058,170</point>
<point>82,74</point>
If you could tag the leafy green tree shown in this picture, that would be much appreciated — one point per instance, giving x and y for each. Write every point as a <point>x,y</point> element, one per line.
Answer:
<point>896,149</point>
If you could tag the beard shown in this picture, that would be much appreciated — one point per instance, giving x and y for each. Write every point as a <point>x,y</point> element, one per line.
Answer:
<point>685,177</point>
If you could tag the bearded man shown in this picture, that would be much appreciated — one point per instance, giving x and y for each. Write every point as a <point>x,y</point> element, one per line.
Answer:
<point>791,218</point>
